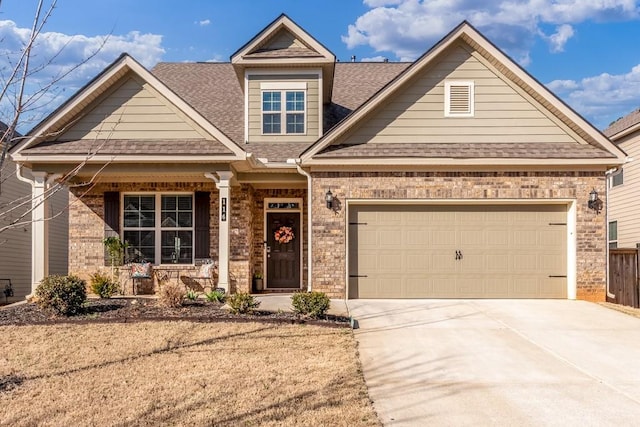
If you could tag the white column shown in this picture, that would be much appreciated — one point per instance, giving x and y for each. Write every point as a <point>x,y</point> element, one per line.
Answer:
<point>39,230</point>
<point>224,218</point>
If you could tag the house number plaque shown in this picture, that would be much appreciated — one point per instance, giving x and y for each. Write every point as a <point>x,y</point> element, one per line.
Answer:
<point>223,209</point>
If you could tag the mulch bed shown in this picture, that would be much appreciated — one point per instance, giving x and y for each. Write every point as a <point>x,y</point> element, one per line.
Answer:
<point>127,310</point>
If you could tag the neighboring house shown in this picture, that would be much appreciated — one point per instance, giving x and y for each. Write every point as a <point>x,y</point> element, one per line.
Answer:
<point>624,184</point>
<point>458,175</point>
<point>15,242</point>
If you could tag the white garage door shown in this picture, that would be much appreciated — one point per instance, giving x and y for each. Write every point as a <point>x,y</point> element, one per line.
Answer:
<point>471,251</point>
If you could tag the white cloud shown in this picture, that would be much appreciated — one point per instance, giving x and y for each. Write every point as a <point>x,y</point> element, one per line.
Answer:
<point>378,58</point>
<point>407,28</point>
<point>562,35</point>
<point>204,22</point>
<point>55,54</point>
<point>602,98</point>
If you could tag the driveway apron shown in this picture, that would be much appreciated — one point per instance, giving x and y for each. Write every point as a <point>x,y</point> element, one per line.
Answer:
<point>499,362</point>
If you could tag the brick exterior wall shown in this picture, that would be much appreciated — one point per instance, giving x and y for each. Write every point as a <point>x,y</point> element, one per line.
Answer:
<point>329,227</point>
<point>87,231</point>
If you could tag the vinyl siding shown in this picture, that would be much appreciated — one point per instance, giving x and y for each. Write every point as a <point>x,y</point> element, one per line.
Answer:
<point>255,108</point>
<point>416,113</point>
<point>15,243</point>
<point>624,201</point>
<point>133,110</point>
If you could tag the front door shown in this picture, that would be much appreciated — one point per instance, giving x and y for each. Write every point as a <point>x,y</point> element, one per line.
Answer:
<point>283,250</point>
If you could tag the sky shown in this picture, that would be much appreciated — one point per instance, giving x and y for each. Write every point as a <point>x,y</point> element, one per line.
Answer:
<point>586,51</point>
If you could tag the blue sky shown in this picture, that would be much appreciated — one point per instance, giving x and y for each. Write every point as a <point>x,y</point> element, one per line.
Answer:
<point>586,51</point>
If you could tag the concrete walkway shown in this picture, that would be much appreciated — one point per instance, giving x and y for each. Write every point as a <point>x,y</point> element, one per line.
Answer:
<point>282,302</point>
<point>499,363</point>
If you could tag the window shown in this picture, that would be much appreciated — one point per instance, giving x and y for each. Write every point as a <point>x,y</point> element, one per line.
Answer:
<point>613,234</point>
<point>617,178</point>
<point>159,227</point>
<point>458,99</point>
<point>292,115</point>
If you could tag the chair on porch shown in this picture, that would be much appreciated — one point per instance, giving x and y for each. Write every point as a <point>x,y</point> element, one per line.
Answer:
<point>139,271</point>
<point>207,272</point>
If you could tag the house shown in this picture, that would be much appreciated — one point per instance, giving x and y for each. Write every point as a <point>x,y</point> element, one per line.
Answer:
<point>458,175</point>
<point>624,206</point>
<point>15,242</point>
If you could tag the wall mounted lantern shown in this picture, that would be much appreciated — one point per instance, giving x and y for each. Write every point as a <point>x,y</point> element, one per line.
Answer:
<point>328,197</point>
<point>594,202</point>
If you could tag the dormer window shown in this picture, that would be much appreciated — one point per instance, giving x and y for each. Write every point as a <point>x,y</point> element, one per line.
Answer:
<point>458,99</point>
<point>283,108</point>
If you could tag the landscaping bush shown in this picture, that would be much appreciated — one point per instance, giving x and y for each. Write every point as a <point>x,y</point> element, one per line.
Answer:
<point>62,294</point>
<point>215,296</point>
<point>242,303</point>
<point>311,304</point>
<point>171,295</point>
<point>192,295</point>
<point>103,286</point>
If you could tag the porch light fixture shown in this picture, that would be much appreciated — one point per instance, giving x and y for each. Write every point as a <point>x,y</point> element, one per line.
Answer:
<point>594,202</point>
<point>328,197</point>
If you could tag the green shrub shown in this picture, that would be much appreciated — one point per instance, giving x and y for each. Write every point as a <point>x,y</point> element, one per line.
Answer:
<point>103,286</point>
<point>311,304</point>
<point>191,295</point>
<point>62,294</point>
<point>242,303</point>
<point>171,295</point>
<point>215,296</point>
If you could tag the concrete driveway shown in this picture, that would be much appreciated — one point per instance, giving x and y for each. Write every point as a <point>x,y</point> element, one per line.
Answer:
<point>499,362</point>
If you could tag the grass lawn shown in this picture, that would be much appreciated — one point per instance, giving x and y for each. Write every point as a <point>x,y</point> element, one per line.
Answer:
<point>181,373</point>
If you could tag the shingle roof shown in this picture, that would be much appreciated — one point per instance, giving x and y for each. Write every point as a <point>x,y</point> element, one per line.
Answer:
<point>623,123</point>
<point>213,89</point>
<point>465,151</point>
<point>289,52</point>
<point>133,146</point>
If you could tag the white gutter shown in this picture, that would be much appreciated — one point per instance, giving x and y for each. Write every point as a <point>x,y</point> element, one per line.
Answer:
<point>309,222</point>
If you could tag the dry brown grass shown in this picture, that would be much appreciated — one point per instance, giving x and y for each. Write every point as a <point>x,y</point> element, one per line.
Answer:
<point>181,373</point>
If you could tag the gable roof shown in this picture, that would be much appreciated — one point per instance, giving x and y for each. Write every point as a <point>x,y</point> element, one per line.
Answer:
<point>468,35</point>
<point>285,43</point>
<point>58,121</point>
<point>624,126</point>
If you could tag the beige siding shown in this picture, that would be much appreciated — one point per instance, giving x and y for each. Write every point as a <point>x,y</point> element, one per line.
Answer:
<point>255,108</point>
<point>416,113</point>
<point>624,200</point>
<point>133,110</point>
<point>283,40</point>
<point>15,243</point>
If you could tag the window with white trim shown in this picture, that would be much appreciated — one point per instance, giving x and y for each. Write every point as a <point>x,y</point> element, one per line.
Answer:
<point>159,227</point>
<point>291,112</point>
<point>613,234</point>
<point>617,178</point>
<point>458,99</point>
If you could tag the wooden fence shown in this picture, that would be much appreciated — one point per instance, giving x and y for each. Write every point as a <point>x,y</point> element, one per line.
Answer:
<point>623,277</point>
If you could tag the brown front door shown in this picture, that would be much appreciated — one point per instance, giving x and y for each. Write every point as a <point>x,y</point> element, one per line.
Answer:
<point>283,250</point>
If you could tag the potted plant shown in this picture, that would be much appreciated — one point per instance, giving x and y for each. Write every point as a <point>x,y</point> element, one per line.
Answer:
<point>258,283</point>
<point>115,248</point>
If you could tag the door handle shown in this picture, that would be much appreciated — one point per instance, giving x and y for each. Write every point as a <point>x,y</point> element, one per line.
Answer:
<point>458,255</point>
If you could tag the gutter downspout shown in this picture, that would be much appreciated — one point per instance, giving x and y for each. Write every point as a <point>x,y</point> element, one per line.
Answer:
<point>309,223</point>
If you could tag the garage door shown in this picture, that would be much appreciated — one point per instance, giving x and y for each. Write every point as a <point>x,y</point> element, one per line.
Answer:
<point>472,251</point>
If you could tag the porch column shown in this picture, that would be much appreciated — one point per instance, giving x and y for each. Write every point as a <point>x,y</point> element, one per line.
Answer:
<point>224,218</point>
<point>39,230</point>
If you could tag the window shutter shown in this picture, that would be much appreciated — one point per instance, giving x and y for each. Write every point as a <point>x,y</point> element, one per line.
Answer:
<point>202,215</point>
<point>111,218</point>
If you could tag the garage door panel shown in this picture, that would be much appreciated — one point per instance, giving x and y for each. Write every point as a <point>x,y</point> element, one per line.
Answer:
<point>409,251</point>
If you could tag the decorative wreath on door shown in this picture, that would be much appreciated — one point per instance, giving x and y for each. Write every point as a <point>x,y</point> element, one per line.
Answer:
<point>284,234</point>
